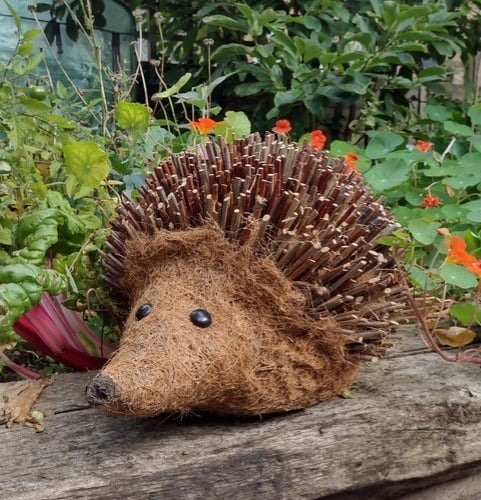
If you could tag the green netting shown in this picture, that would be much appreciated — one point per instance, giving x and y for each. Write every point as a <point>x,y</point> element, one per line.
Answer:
<point>114,37</point>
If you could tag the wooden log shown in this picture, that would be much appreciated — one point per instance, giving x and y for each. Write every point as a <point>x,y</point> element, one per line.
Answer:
<point>413,422</point>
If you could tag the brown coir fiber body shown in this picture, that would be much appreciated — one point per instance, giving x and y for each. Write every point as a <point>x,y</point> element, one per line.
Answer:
<point>261,354</point>
<point>280,246</point>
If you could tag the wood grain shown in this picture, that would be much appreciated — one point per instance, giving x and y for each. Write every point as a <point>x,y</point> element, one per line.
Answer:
<point>413,422</point>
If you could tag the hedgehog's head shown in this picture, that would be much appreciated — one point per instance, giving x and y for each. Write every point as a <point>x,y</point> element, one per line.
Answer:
<point>214,327</point>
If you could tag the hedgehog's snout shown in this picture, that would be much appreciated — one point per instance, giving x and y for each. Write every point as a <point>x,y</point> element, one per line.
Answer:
<point>101,390</point>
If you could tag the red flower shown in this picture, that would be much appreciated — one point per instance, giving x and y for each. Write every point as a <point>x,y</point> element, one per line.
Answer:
<point>203,125</point>
<point>424,146</point>
<point>282,127</point>
<point>431,201</point>
<point>350,160</point>
<point>459,255</point>
<point>318,139</point>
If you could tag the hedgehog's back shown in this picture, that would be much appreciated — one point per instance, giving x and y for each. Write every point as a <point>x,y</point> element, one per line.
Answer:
<point>318,223</point>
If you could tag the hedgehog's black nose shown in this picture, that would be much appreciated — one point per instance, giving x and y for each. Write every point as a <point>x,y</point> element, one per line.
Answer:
<point>100,390</point>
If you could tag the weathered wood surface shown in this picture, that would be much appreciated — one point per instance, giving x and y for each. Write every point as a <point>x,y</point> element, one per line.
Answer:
<point>413,422</point>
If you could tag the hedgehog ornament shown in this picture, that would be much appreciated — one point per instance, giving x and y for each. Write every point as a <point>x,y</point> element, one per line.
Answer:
<point>253,281</point>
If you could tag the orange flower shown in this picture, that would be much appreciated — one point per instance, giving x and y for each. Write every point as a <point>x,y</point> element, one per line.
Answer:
<point>282,127</point>
<point>431,201</point>
<point>350,160</point>
<point>459,255</point>
<point>424,146</point>
<point>203,125</point>
<point>318,139</point>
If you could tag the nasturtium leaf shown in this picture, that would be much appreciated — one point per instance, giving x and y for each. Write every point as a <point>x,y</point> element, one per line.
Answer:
<point>87,162</point>
<point>438,112</point>
<point>388,174</point>
<point>466,312</point>
<point>340,148</point>
<point>457,275</point>
<point>454,336</point>
<point>382,143</point>
<point>453,212</point>
<point>474,216</point>
<point>474,112</point>
<point>423,231</point>
<point>476,142</point>
<point>457,129</point>
<point>421,278</point>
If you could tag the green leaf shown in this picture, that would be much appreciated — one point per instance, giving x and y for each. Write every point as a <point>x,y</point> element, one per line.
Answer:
<point>5,167</point>
<point>231,50</point>
<point>235,125</point>
<point>133,116</point>
<point>289,97</point>
<point>388,174</point>
<point>437,112</point>
<point>423,231</point>
<point>340,148</point>
<point>30,35</point>
<point>87,162</point>
<point>173,89</point>
<point>474,112</point>
<point>251,88</point>
<point>226,22</point>
<point>476,142</point>
<point>15,16</point>
<point>421,278</point>
<point>21,287</point>
<point>466,313</point>
<point>457,275</point>
<point>457,129</point>
<point>382,143</point>
<point>474,210</point>
<point>41,230</point>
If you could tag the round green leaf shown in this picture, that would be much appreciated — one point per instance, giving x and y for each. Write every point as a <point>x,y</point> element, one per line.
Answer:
<point>423,231</point>
<point>458,129</point>
<point>457,275</point>
<point>382,143</point>
<point>437,112</point>
<point>388,174</point>
<point>466,313</point>
<point>474,113</point>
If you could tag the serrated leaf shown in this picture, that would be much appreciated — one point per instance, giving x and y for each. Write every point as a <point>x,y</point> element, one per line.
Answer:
<point>235,125</point>
<point>15,16</point>
<point>133,116</point>
<point>87,162</point>
<point>30,35</point>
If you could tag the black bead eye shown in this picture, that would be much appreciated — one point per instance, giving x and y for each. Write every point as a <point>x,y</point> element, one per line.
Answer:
<point>143,311</point>
<point>201,318</point>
